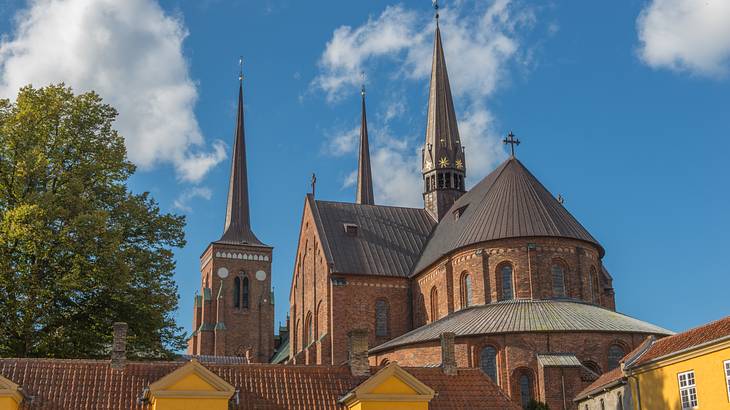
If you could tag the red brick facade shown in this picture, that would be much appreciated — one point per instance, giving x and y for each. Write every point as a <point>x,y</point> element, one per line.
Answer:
<point>229,322</point>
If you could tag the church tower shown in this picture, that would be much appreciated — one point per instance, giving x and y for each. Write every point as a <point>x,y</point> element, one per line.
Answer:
<point>443,163</point>
<point>234,314</point>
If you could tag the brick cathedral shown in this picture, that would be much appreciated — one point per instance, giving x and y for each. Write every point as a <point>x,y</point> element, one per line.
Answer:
<point>504,266</point>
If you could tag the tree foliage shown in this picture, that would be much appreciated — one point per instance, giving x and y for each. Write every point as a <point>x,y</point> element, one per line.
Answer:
<point>78,250</point>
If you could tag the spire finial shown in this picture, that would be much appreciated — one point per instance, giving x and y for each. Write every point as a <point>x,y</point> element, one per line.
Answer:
<point>362,83</point>
<point>240,68</point>
<point>314,182</point>
<point>436,8</point>
<point>512,141</point>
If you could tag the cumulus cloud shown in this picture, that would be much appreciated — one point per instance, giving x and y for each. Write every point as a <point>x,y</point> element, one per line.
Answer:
<point>182,202</point>
<point>343,142</point>
<point>130,52</point>
<point>686,35</point>
<point>480,41</point>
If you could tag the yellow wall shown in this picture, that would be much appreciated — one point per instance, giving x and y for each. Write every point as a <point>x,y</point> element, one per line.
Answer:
<point>385,405</point>
<point>659,385</point>
<point>8,403</point>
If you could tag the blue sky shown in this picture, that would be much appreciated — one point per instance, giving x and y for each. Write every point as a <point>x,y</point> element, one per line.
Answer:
<point>622,107</point>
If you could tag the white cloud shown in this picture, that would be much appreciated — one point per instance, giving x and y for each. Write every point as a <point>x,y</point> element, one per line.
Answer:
<point>480,42</point>
<point>686,35</point>
<point>182,202</point>
<point>130,52</point>
<point>343,142</point>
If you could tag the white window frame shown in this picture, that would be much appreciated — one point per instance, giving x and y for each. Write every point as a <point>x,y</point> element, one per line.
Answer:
<point>726,369</point>
<point>691,389</point>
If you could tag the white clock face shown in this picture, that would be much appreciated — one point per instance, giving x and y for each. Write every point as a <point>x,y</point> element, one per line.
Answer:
<point>222,273</point>
<point>260,275</point>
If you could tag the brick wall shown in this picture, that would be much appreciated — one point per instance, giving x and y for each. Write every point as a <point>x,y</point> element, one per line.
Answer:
<point>518,351</point>
<point>531,260</point>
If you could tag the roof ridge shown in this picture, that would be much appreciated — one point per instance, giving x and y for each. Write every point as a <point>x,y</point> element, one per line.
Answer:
<point>327,201</point>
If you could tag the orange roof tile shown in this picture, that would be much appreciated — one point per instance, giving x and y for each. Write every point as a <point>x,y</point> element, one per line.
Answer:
<point>604,380</point>
<point>686,340</point>
<point>93,384</point>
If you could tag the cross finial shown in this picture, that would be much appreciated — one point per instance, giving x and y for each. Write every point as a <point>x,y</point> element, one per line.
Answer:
<point>240,68</point>
<point>512,141</point>
<point>314,182</point>
<point>436,8</point>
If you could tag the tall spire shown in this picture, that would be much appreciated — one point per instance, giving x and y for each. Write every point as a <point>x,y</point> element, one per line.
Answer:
<point>444,164</point>
<point>364,175</point>
<point>238,222</point>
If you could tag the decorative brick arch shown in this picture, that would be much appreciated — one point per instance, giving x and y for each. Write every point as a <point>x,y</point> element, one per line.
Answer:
<point>523,378</point>
<point>554,280</point>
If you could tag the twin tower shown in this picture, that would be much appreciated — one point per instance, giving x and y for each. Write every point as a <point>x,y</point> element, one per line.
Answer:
<point>234,312</point>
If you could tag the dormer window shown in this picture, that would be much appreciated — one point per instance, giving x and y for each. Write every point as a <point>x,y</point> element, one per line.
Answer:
<point>458,212</point>
<point>350,229</point>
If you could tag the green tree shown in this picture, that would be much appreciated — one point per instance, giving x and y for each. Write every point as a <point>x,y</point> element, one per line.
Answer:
<point>536,405</point>
<point>78,250</point>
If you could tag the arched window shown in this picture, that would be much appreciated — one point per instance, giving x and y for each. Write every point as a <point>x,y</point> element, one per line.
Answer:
<point>381,318</point>
<point>620,400</point>
<point>488,362</point>
<point>507,290</point>
<point>615,354</point>
<point>244,292</point>
<point>465,290</point>
<point>308,332</point>
<point>558,273</point>
<point>434,304</point>
<point>525,388</point>
<point>237,292</point>
<point>593,366</point>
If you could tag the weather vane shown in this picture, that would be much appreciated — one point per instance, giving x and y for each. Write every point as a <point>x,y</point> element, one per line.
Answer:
<point>240,68</point>
<point>512,141</point>
<point>362,82</point>
<point>436,7</point>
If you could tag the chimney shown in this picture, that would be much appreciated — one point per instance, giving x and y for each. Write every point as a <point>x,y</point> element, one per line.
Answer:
<point>448,358</point>
<point>357,349</point>
<point>119,345</point>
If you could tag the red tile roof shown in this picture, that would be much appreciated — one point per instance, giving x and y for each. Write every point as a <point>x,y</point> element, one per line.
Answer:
<point>604,380</point>
<point>92,384</point>
<point>686,340</point>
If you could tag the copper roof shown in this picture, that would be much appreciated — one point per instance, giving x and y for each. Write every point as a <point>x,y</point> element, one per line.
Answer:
<point>237,228</point>
<point>523,316</point>
<point>508,203</point>
<point>364,175</point>
<point>719,329</point>
<point>92,384</point>
<point>387,240</point>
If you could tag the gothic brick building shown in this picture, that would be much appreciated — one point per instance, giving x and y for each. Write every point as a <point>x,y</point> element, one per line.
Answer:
<point>504,266</point>
<point>234,314</point>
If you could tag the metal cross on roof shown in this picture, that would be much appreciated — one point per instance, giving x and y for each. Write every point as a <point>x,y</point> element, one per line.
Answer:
<point>314,182</point>
<point>512,141</point>
<point>240,68</point>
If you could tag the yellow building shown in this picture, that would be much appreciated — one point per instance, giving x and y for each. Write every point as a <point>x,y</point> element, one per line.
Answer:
<point>689,370</point>
<point>222,383</point>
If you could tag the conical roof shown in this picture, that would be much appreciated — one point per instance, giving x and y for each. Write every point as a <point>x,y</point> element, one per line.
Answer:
<point>508,203</point>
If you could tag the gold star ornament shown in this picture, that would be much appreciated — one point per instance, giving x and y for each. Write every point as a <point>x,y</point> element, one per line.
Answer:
<point>459,164</point>
<point>444,162</point>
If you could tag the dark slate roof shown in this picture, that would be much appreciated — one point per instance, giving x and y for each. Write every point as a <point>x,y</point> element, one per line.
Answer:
<point>92,384</point>
<point>388,240</point>
<point>508,203</point>
<point>364,193</point>
<point>526,316</point>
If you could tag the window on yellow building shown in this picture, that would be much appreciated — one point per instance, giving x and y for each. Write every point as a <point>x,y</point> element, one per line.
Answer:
<point>687,389</point>
<point>727,378</point>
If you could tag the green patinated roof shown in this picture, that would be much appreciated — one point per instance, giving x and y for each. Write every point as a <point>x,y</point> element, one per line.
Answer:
<point>206,326</point>
<point>523,316</point>
<point>282,354</point>
<point>220,326</point>
<point>558,360</point>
